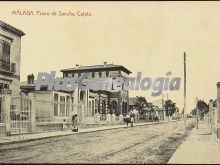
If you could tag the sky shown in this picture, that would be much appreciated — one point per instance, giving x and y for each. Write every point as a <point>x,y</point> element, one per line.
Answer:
<point>147,37</point>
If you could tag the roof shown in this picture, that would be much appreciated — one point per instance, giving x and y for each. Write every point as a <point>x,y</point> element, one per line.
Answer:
<point>25,85</point>
<point>11,28</point>
<point>96,68</point>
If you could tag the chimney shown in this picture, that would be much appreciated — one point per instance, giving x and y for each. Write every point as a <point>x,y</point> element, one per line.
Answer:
<point>105,63</point>
<point>30,78</point>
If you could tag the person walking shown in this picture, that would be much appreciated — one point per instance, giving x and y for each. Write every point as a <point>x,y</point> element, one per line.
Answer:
<point>64,125</point>
<point>132,119</point>
<point>75,119</point>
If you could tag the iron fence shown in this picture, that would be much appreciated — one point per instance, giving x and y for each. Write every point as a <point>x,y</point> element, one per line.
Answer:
<point>20,115</point>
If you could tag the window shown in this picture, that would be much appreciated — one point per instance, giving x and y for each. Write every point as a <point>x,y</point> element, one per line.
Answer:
<point>93,74</point>
<point>100,74</point>
<point>65,74</point>
<point>67,104</point>
<point>5,55</point>
<point>62,106</point>
<point>5,51</point>
<point>55,104</point>
<point>82,93</point>
<point>89,110</point>
<point>107,73</point>
<point>96,106</point>
<point>93,107</point>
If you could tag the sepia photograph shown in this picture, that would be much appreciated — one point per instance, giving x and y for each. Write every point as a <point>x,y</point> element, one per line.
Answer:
<point>109,82</point>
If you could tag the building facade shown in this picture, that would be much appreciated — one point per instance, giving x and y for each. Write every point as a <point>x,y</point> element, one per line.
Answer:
<point>101,101</point>
<point>55,105</point>
<point>10,56</point>
<point>51,106</point>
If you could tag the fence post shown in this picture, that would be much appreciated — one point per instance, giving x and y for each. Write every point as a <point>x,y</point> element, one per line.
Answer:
<point>6,104</point>
<point>32,111</point>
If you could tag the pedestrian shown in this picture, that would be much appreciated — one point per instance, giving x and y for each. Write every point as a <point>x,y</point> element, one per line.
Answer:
<point>64,125</point>
<point>132,119</point>
<point>75,119</point>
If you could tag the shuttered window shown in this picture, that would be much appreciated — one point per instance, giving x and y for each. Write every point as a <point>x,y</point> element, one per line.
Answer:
<point>5,51</point>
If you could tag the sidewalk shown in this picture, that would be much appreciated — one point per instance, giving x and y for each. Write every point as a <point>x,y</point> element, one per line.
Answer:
<point>200,147</point>
<point>42,135</point>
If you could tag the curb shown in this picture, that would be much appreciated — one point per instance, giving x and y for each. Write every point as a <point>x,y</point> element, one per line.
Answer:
<point>89,131</point>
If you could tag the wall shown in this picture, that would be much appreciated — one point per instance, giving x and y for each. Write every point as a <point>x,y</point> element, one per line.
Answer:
<point>15,56</point>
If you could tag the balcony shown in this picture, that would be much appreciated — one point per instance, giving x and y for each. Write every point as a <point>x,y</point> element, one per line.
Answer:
<point>6,66</point>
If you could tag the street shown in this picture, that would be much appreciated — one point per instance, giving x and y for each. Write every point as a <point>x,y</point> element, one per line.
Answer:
<point>143,144</point>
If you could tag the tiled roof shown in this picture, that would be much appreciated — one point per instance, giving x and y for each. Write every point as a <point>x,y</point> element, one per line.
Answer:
<point>96,67</point>
<point>11,28</point>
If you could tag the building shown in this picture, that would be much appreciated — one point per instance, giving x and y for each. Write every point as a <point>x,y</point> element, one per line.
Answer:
<point>54,106</point>
<point>102,101</point>
<point>132,101</point>
<point>51,106</point>
<point>10,56</point>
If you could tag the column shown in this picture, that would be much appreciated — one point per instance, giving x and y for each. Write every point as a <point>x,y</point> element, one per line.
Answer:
<point>6,104</point>
<point>33,109</point>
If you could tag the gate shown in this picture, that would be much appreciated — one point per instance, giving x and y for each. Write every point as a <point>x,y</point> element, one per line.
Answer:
<point>20,115</point>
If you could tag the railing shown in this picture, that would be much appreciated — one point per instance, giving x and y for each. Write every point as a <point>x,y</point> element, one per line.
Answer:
<point>2,119</point>
<point>102,117</point>
<point>7,66</point>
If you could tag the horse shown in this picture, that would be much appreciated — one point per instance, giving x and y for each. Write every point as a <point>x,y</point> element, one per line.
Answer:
<point>129,120</point>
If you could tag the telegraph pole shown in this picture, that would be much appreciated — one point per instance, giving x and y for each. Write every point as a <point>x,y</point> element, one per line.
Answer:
<point>184,112</point>
<point>197,117</point>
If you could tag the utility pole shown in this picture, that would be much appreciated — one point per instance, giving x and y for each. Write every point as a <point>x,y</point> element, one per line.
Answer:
<point>164,112</point>
<point>197,117</point>
<point>184,112</point>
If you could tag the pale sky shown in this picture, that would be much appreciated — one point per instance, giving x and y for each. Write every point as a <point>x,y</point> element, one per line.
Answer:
<point>143,36</point>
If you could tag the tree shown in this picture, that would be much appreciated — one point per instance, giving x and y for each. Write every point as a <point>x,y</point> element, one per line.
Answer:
<point>170,107</point>
<point>193,112</point>
<point>203,107</point>
<point>141,104</point>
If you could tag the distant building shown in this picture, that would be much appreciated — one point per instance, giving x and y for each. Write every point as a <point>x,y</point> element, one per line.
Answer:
<point>51,105</point>
<point>101,101</point>
<point>159,103</point>
<point>132,101</point>
<point>58,105</point>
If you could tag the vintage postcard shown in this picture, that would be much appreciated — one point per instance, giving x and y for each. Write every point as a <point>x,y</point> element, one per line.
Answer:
<point>110,82</point>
